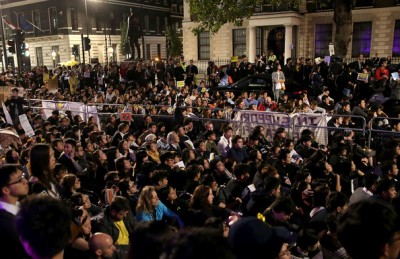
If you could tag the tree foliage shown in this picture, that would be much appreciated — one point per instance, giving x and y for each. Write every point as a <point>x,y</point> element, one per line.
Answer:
<point>176,46</point>
<point>211,15</point>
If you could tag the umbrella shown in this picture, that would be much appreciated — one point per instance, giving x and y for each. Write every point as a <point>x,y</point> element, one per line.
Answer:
<point>7,137</point>
<point>71,63</point>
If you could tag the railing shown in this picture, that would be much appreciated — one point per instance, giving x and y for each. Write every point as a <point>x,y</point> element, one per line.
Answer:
<point>282,6</point>
<point>203,64</point>
<point>374,135</point>
<point>381,131</point>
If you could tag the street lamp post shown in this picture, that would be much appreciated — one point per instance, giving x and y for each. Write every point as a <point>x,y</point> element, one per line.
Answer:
<point>53,55</point>
<point>110,52</point>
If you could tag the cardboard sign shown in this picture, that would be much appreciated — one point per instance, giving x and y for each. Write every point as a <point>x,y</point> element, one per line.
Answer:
<point>52,85</point>
<point>180,84</point>
<point>23,119</point>
<point>125,116</point>
<point>363,77</point>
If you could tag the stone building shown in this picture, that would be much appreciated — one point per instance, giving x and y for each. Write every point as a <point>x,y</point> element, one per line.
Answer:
<point>306,31</point>
<point>53,28</point>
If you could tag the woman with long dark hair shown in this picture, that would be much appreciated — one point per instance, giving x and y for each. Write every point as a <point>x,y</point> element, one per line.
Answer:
<point>70,183</point>
<point>100,159</point>
<point>112,155</point>
<point>42,163</point>
<point>202,208</point>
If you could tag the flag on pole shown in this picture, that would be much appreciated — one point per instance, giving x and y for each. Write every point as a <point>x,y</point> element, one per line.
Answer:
<point>12,26</point>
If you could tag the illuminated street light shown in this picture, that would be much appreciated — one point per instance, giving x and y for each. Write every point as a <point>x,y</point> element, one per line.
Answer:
<point>54,55</point>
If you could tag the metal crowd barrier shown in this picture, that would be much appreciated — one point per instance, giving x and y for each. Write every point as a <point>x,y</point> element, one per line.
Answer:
<point>244,122</point>
<point>381,131</point>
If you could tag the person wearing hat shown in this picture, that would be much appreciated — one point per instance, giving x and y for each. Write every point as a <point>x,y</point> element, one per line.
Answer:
<point>15,103</point>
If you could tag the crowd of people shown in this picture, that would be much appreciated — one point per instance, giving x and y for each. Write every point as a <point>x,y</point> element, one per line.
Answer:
<point>145,189</point>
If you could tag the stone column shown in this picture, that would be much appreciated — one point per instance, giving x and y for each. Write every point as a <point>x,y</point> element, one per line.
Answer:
<point>288,41</point>
<point>252,44</point>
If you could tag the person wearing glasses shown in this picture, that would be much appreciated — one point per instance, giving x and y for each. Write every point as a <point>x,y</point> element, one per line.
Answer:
<point>14,185</point>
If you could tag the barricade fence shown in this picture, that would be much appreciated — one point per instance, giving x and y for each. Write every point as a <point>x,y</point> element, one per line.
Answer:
<point>381,130</point>
<point>378,131</point>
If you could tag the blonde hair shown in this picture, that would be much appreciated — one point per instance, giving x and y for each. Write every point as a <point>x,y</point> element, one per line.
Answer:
<point>144,201</point>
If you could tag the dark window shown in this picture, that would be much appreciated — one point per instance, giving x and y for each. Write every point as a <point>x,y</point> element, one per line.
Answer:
<point>148,51</point>
<point>157,24</point>
<point>39,56</point>
<point>239,42</point>
<point>362,32</point>
<point>98,21</point>
<point>259,40</point>
<point>56,50</point>
<point>323,37</point>
<point>7,29</point>
<point>113,23</point>
<point>396,39</point>
<point>78,56</point>
<point>53,19</point>
<point>159,51</point>
<point>204,45</point>
<point>146,23</point>
<point>37,22</point>
<point>74,19</point>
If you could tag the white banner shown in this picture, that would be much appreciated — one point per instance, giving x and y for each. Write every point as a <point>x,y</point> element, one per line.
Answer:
<point>245,121</point>
<point>23,119</point>
<point>76,108</point>
<point>7,114</point>
<point>317,123</point>
<point>92,111</point>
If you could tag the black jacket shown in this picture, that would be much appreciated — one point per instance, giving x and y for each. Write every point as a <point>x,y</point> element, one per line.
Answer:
<point>9,240</point>
<point>106,225</point>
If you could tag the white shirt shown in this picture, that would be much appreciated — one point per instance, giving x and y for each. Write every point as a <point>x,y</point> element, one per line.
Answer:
<point>13,209</point>
<point>224,145</point>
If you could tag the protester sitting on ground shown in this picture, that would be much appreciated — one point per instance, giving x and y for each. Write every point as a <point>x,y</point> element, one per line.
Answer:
<point>366,219</point>
<point>118,222</point>
<point>150,208</point>
<point>101,246</point>
<point>33,220</point>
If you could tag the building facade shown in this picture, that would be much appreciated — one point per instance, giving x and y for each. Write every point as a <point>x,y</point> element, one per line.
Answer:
<point>305,31</point>
<point>53,28</point>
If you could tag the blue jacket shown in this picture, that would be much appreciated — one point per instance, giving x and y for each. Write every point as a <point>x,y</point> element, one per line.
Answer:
<point>161,211</point>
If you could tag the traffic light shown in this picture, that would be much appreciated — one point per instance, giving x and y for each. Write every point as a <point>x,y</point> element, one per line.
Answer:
<point>11,46</point>
<point>19,38</point>
<point>86,44</point>
<point>25,49</point>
